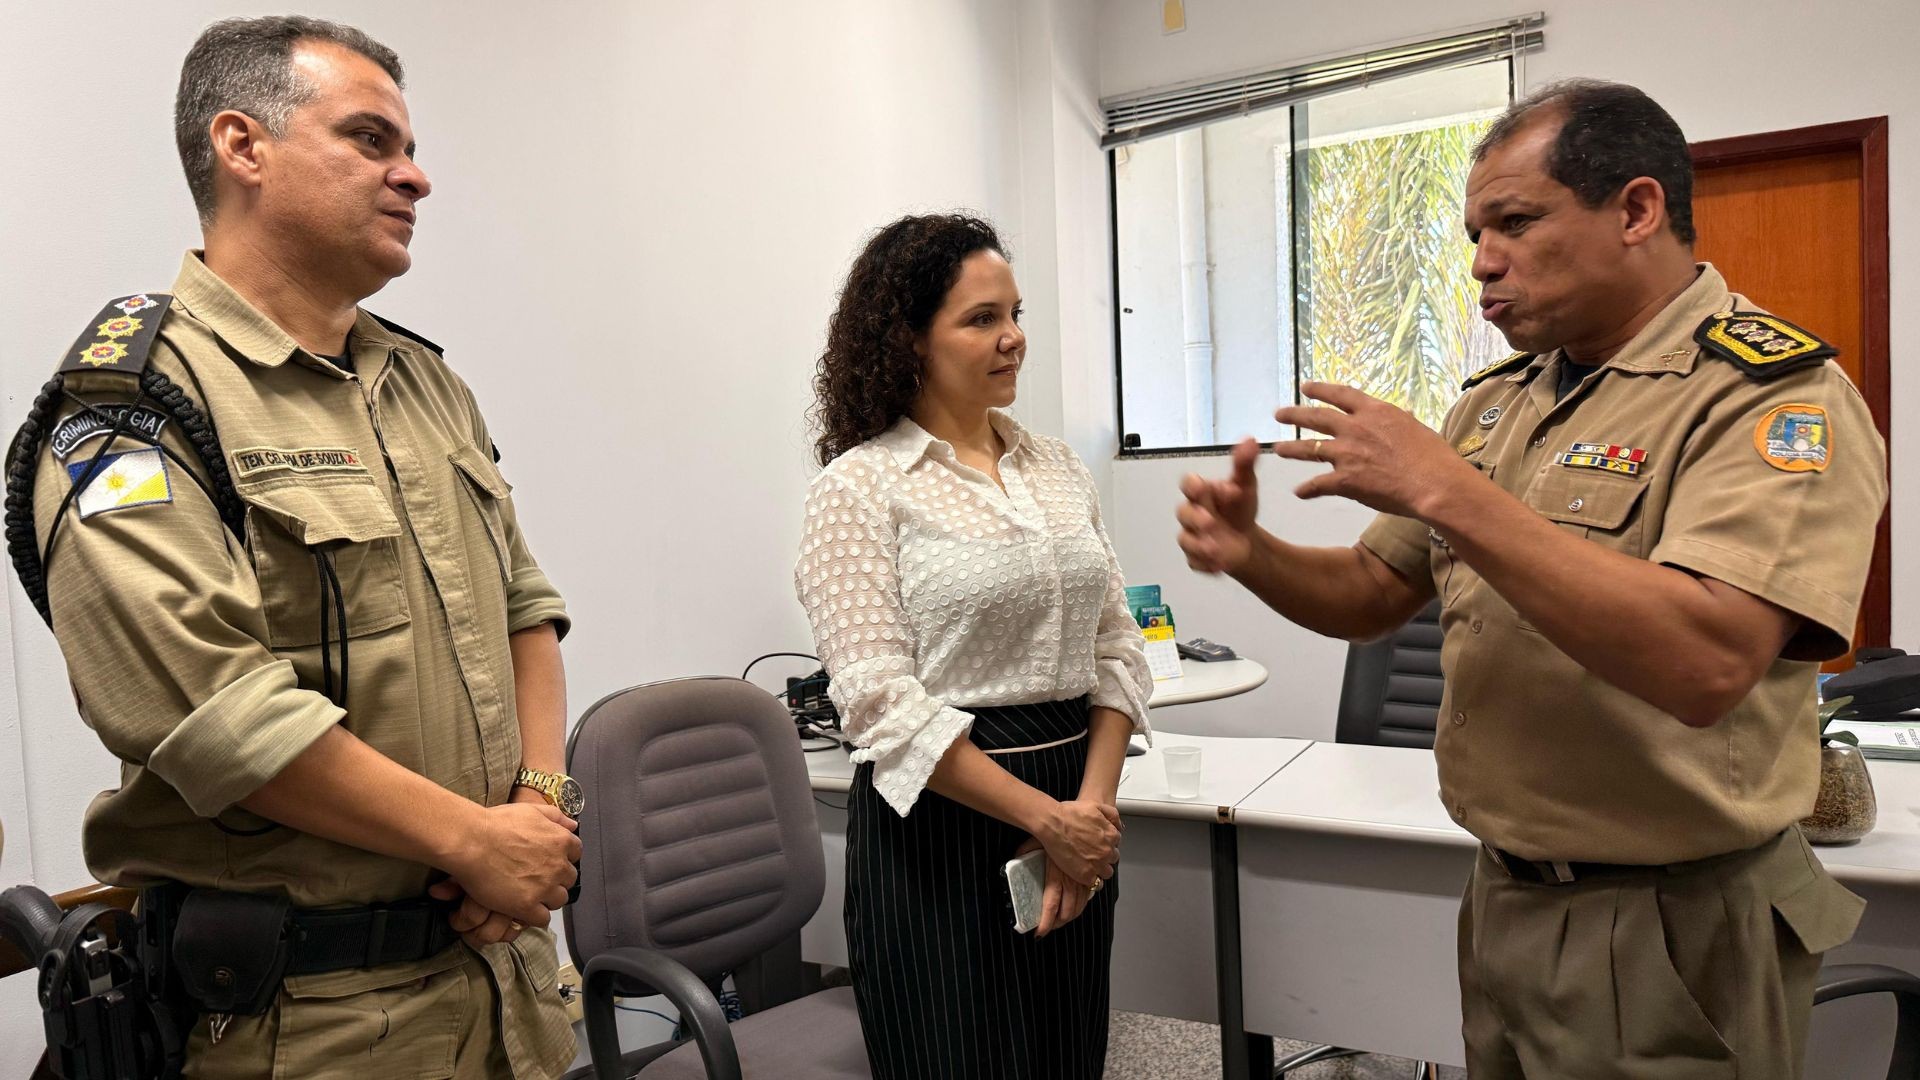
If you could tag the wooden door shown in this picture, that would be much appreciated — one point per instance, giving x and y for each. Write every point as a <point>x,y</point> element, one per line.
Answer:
<point>1797,221</point>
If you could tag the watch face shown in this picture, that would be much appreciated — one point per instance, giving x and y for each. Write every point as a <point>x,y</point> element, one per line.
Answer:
<point>572,799</point>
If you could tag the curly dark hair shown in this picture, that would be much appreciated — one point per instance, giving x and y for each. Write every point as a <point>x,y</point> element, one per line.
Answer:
<point>869,375</point>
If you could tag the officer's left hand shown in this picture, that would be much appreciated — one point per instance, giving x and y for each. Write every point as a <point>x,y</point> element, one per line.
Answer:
<point>1381,455</point>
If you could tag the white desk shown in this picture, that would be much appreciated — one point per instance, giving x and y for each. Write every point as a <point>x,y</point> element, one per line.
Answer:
<point>1207,682</point>
<point>1351,875</point>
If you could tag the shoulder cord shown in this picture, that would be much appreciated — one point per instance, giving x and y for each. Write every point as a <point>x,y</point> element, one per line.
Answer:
<point>22,467</point>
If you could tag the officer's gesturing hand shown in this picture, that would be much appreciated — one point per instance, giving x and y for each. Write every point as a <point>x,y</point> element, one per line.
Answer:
<point>1217,521</point>
<point>1381,455</point>
<point>519,862</point>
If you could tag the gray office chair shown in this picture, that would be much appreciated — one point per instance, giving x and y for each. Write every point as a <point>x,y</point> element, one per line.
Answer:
<point>1389,696</point>
<point>702,856</point>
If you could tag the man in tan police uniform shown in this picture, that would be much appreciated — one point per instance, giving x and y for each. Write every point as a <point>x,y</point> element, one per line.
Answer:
<point>321,647</point>
<point>1644,529</point>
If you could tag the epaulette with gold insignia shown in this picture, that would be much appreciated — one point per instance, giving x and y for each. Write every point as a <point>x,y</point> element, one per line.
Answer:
<point>120,336</point>
<point>1761,345</point>
<point>1498,367</point>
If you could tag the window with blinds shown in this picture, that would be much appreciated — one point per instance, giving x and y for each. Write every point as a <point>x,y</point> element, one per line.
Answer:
<point>1301,224</point>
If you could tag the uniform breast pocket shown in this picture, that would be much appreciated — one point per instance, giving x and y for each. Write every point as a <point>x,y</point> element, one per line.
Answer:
<point>1596,505</point>
<point>350,520</point>
<point>486,491</point>
<point>1599,505</point>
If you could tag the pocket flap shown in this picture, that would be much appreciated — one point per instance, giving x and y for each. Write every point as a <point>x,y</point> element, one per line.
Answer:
<point>1822,912</point>
<point>483,472</point>
<point>1585,497</point>
<point>317,512</point>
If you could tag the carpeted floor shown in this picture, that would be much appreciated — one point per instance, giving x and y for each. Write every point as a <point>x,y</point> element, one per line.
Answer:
<point>1142,1047</point>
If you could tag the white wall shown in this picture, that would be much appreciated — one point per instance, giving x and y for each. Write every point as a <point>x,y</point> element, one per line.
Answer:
<point>640,218</point>
<point>1722,67</point>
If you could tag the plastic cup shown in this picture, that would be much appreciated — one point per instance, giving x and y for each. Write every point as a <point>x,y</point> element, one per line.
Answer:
<point>1183,771</point>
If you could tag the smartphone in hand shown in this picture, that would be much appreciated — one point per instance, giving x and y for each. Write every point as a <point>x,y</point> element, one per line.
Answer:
<point>1027,885</point>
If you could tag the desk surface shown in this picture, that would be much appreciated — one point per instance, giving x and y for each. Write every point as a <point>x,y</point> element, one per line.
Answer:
<point>1230,770</point>
<point>1205,682</point>
<point>1393,792</point>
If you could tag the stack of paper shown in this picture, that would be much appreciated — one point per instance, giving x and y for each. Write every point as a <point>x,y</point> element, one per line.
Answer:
<point>1896,739</point>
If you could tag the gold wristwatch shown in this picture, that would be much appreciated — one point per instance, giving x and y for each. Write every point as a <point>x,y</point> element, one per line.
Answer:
<point>561,790</point>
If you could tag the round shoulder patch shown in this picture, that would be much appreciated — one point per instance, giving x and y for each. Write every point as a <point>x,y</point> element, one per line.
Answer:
<point>1795,438</point>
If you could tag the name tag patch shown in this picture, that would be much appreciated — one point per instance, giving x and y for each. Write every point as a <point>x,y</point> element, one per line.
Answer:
<point>1795,438</point>
<point>104,417</point>
<point>122,481</point>
<point>260,459</point>
<point>1607,457</point>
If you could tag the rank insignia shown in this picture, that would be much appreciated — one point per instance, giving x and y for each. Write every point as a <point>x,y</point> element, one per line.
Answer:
<point>1472,444</point>
<point>1490,417</point>
<point>1607,457</point>
<point>1761,345</point>
<point>115,340</point>
<point>122,481</point>
<point>103,353</point>
<point>124,326</point>
<point>1795,438</point>
<point>1498,367</point>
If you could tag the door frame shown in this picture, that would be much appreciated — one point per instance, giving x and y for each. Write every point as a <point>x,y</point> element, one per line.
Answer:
<point>1868,138</point>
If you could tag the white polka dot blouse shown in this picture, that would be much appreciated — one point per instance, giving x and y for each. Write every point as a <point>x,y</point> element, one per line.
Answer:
<point>930,590</point>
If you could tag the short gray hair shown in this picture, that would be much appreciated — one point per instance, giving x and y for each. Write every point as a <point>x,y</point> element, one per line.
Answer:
<point>247,65</point>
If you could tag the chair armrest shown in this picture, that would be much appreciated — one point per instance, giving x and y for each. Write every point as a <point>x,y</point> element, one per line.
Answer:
<point>1849,980</point>
<point>695,1002</point>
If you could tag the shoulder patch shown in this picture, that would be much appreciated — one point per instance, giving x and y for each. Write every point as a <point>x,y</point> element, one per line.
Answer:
<point>120,336</point>
<point>1760,345</point>
<point>408,334</point>
<point>1796,437</point>
<point>121,482</point>
<point>1499,367</point>
<point>102,417</point>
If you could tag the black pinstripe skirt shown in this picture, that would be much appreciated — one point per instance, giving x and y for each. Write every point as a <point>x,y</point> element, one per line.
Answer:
<point>947,990</point>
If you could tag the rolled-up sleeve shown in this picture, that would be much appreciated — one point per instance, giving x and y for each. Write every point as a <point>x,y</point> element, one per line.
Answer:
<point>1122,680</point>
<point>159,615</point>
<point>532,598</point>
<point>847,578</point>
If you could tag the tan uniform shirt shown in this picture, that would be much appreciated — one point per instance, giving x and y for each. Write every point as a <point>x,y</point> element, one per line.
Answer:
<point>1541,757</point>
<point>195,654</point>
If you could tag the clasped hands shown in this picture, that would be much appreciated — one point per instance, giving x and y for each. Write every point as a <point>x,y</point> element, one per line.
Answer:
<point>514,872</point>
<point>1082,842</point>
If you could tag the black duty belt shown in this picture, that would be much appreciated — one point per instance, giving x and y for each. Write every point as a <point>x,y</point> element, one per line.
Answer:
<point>228,951</point>
<point>335,939</point>
<point>1537,872</point>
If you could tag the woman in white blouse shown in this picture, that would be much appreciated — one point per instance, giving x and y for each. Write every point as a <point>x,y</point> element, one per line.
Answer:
<point>972,618</point>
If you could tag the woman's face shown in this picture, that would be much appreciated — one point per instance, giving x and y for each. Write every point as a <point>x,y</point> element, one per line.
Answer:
<point>974,346</point>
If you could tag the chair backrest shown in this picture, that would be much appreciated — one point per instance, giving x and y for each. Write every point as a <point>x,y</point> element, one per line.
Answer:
<point>1390,695</point>
<point>699,832</point>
